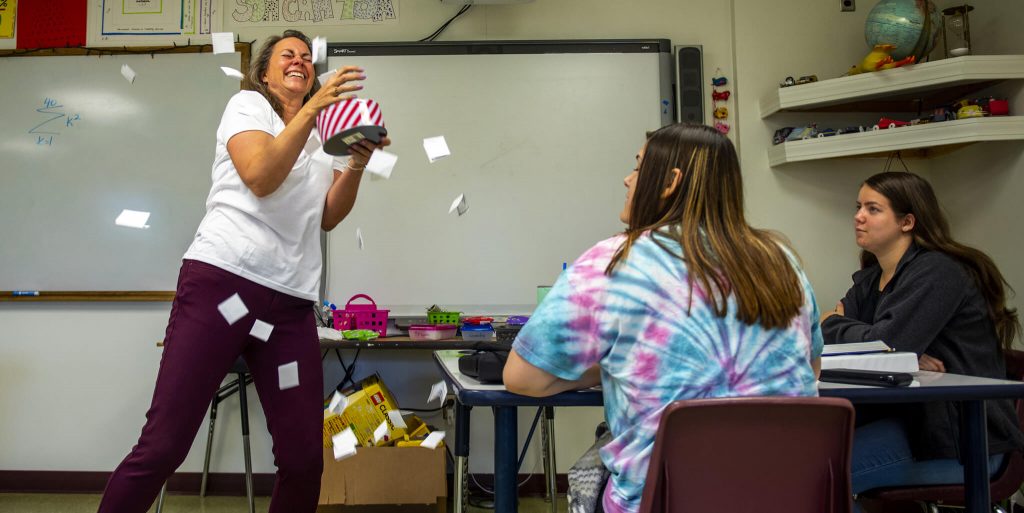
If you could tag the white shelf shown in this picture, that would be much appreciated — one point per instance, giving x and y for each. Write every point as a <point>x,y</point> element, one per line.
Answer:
<point>929,135</point>
<point>883,85</point>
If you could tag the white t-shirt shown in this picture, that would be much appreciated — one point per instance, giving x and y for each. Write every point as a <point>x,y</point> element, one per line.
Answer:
<point>274,240</point>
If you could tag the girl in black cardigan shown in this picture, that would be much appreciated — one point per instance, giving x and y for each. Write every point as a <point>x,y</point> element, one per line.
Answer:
<point>919,290</point>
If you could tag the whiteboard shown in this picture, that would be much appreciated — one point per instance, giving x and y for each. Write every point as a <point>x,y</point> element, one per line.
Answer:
<point>79,144</point>
<point>541,136</point>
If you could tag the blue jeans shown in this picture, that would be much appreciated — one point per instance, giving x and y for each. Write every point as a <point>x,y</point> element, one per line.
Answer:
<point>881,457</point>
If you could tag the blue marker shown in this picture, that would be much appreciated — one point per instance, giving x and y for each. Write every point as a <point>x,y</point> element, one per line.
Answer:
<point>17,293</point>
<point>564,266</point>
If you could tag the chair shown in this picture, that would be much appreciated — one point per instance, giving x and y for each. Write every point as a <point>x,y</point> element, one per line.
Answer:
<point>241,370</point>
<point>1003,485</point>
<point>764,454</point>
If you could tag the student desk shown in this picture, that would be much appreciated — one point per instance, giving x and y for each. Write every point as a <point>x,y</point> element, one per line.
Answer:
<point>929,386</point>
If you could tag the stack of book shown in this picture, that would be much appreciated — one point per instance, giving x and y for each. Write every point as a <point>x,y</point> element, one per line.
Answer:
<point>873,356</point>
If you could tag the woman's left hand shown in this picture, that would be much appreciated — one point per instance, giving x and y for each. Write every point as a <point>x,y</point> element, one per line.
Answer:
<point>360,152</point>
<point>930,363</point>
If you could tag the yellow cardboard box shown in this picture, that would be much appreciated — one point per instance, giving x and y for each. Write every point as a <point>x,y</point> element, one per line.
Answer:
<point>367,408</point>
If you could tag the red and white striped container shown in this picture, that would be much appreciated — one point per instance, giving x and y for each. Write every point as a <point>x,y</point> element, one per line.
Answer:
<point>348,122</point>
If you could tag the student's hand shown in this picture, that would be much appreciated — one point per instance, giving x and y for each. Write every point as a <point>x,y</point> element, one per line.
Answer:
<point>361,151</point>
<point>839,310</point>
<point>929,363</point>
<point>337,88</point>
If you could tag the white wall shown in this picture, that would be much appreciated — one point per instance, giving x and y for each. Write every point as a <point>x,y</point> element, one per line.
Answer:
<point>76,379</point>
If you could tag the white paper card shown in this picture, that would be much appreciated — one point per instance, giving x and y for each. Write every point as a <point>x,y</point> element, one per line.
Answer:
<point>223,42</point>
<point>319,50</point>
<point>396,419</point>
<point>359,237</point>
<point>233,309</point>
<point>288,376</point>
<point>436,148</point>
<point>459,205</point>
<point>323,77</point>
<point>338,403</point>
<point>344,444</point>
<point>261,330</point>
<point>432,440</point>
<point>132,219</point>
<point>439,391</point>
<point>381,163</point>
<point>232,72</point>
<point>128,73</point>
<point>380,433</point>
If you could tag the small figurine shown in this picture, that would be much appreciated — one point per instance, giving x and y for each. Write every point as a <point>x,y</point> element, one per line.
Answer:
<point>879,58</point>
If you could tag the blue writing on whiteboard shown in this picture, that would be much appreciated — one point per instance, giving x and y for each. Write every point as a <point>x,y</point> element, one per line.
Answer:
<point>49,127</point>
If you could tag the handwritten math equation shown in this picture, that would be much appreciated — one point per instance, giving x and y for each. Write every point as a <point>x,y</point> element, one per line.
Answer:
<point>54,120</point>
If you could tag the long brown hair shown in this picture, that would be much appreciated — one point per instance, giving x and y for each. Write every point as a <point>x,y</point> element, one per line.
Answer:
<point>254,78</point>
<point>910,194</point>
<point>724,254</point>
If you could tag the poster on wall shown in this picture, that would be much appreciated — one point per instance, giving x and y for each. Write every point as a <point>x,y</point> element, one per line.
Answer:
<point>157,17</point>
<point>7,10</point>
<point>311,12</point>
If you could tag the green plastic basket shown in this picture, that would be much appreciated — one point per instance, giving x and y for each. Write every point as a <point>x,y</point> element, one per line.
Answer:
<point>443,318</point>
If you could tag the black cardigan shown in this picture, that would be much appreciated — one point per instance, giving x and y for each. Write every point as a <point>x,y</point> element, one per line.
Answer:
<point>931,305</point>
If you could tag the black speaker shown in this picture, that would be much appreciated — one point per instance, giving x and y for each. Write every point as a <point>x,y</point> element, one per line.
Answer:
<point>689,84</point>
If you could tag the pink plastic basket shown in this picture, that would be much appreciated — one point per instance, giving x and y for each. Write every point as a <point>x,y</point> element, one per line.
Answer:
<point>362,316</point>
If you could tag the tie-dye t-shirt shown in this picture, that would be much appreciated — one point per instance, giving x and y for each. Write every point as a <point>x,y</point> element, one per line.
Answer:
<point>653,350</point>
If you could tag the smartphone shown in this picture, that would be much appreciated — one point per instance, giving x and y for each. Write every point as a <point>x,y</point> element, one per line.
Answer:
<point>863,377</point>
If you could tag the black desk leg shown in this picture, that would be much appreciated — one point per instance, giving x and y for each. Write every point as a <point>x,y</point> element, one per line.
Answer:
<point>975,455</point>
<point>506,472</point>
<point>461,455</point>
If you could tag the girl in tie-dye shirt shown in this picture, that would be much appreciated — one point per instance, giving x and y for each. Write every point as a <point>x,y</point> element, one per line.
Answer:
<point>689,302</point>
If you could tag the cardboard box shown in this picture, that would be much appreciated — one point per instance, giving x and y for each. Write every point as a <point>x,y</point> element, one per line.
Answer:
<point>384,475</point>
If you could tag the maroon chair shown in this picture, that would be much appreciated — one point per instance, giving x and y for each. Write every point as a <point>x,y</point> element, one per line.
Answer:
<point>763,454</point>
<point>1006,481</point>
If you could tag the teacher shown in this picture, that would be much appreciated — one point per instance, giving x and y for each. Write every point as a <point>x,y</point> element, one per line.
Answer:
<point>253,268</point>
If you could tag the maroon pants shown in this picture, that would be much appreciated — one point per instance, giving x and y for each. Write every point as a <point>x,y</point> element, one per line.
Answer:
<point>199,349</point>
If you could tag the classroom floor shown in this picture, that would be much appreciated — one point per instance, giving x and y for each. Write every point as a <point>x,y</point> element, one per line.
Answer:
<point>87,503</point>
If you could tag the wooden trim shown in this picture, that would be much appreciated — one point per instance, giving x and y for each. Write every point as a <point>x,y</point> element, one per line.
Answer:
<point>49,481</point>
<point>88,295</point>
<point>243,48</point>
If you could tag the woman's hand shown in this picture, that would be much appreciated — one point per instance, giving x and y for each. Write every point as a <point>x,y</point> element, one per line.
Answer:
<point>360,152</point>
<point>339,87</point>
<point>839,310</point>
<point>930,363</point>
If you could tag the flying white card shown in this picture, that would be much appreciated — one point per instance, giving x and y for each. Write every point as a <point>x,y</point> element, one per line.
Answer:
<point>380,433</point>
<point>344,444</point>
<point>359,237</point>
<point>396,419</point>
<point>261,330</point>
<point>436,148</point>
<point>319,50</point>
<point>459,205</point>
<point>381,163</point>
<point>232,308</point>
<point>432,440</point>
<point>439,390</point>
<point>288,376</point>
<point>132,219</point>
<point>338,403</point>
<point>128,73</point>
<point>223,42</point>
<point>232,72</point>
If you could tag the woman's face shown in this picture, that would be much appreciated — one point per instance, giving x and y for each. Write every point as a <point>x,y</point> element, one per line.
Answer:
<point>290,70</point>
<point>876,226</point>
<point>630,183</point>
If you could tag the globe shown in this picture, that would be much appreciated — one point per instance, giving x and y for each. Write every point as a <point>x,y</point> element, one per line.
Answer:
<point>912,26</point>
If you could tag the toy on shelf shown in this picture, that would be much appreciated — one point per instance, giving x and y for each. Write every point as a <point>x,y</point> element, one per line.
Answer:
<point>718,101</point>
<point>880,58</point>
<point>806,79</point>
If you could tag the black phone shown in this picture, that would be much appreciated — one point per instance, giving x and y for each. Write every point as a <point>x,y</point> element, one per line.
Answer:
<point>864,377</point>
